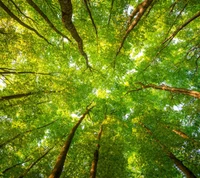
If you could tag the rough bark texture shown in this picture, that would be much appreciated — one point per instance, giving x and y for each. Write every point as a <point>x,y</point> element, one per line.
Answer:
<point>137,13</point>
<point>31,3</point>
<point>93,169</point>
<point>188,173</point>
<point>7,10</point>
<point>57,170</point>
<point>192,93</point>
<point>67,10</point>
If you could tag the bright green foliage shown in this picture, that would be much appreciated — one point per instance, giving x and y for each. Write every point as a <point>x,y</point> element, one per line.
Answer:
<point>57,86</point>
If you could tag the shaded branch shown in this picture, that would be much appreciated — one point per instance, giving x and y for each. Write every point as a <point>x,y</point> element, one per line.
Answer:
<point>21,11</point>
<point>91,18</point>
<point>22,134</point>
<point>32,4</point>
<point>112,3</point>
<point>169,39</point>
<point>5,8</point>
<point>21,95</point>
<point>15,72</point>
<point>15,165</point>
<point>34,163</point>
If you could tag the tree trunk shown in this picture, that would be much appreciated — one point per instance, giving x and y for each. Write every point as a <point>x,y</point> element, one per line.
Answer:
<point>93,169</point>
<point>57,170</point>
<point>31,3</point>
<point>67,9</point>
<point>181,166</point>
<point>137,13</point>
<point>188,173</point>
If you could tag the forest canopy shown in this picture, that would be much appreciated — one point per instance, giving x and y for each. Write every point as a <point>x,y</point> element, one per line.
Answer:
<point>99,88</point>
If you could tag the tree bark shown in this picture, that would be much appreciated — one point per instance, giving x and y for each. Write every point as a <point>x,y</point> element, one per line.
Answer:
<point>192,93</point>
<point>7,10</point>
<point>188,173</point>
<point>67,10</point>
<point>93,169</point>
<point>137,13</point>
<point>57,170</point>
<point>34,5</point>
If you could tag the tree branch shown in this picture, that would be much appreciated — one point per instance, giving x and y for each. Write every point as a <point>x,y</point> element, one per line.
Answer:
<point>5,8</point>
<point>192,93</point>
<point>34,5</point>
<point>66,8</point>
<point>169,39</point>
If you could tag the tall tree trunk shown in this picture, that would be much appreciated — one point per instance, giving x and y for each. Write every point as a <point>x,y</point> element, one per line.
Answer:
<point>93,169</point>
<point>67,10</point>
<point>188,173</point>
<point>57,170</point>
<point>35,162</point>
<point>192,93</point>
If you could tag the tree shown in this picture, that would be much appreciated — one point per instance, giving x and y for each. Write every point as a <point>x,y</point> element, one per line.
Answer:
<point>137,62</point>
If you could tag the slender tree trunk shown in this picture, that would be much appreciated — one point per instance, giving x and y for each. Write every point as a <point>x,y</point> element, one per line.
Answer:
<point>28,131</point>
<point>34,163</point>
<point>15,72</point>
<point>34,5</point>
<point>188,173</point>
<point>22,95</point>
<point>181,27</point>
<point>67,10</point>
<point>15,165</point>
<point>192,93</point>
<point>57,170</point>
<point>93,169</point>
<point>137,13</point>
<point>7,10</point>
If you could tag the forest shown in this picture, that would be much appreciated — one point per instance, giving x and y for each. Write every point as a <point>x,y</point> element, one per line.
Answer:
<point>99,88</point>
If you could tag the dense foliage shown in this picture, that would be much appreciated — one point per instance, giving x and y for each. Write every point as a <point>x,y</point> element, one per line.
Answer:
<point>131,68</point>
